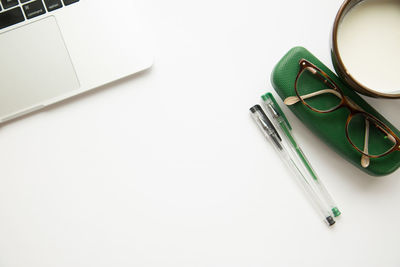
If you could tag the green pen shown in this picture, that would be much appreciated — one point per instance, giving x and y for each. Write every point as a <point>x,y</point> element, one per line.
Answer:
<point>279,117</point>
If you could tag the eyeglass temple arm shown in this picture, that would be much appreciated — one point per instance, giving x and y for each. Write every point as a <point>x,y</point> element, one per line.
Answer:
<point>365,160</point>
<point>389,136</point>
<point>291,100</point>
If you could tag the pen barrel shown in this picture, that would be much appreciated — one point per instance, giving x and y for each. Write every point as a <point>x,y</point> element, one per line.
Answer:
<point>315,181</point>
<point>307,186</point>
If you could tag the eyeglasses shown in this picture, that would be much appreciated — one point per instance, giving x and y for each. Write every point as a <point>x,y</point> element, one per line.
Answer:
<point>366,133</point>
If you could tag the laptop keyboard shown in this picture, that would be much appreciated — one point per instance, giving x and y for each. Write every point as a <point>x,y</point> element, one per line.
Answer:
<point>16,11</point>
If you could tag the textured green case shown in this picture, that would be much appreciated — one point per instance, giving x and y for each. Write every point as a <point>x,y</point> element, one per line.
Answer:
<point>330,127</point>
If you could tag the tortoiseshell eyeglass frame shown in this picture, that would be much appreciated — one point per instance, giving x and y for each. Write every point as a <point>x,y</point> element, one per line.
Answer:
<point>350,105</point>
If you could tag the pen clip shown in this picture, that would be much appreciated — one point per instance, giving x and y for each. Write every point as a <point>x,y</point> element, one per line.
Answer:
<point>275,109</point>
<point>266,125</point>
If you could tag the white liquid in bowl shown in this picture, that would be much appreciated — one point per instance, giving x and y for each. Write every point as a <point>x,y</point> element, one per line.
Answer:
<point>369,44</point>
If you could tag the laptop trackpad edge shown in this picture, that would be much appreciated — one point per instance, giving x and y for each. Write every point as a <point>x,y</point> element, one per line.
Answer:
<point>35,67</point>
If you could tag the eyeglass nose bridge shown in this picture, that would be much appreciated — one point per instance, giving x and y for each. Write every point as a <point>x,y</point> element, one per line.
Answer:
<point>351,105</point>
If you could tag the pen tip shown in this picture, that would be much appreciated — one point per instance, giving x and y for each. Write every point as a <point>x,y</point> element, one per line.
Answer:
<point>330,220</point>
<point>336,212</point>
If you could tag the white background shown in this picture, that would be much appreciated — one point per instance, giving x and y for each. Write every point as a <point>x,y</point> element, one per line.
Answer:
<point>167,168</point>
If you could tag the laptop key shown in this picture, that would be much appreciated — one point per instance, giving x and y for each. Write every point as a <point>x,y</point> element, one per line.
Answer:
<point>9,3</point>
<point>11,17</point>
<point>52,4</point>
<point>24,1</point>
<point>68,2</point>
<point>34,9</point>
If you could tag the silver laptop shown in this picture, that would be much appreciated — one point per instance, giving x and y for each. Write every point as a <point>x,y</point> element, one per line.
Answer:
<point>51,50</point>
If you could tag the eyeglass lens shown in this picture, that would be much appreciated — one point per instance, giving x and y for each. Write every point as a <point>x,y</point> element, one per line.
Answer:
<point>317,91</point>
<point>369,136</point>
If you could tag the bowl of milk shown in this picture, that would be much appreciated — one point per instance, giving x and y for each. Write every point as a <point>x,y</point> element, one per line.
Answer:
<point>366,46</point>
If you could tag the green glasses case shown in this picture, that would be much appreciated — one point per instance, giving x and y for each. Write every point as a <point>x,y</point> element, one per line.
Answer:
<point>330,127</point>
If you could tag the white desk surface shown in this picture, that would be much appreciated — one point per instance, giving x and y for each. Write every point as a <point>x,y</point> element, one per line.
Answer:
<point>167,168</point>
